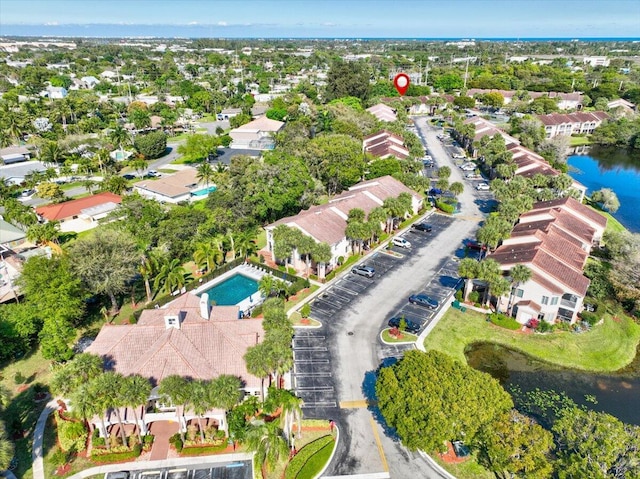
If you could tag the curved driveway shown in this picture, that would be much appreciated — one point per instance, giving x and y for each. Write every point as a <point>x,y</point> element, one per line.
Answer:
<point>351,339</point>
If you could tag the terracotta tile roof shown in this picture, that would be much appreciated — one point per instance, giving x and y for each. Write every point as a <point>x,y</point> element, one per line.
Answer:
<point>327,222</point>
<point>200,348</point>
<point>573,205</point>
<point>529,304</point>
<point>562,272</point>
<point>580,117</point>
<point>546,283</point>
<point>383,112</point>
<point>565,221</point>
<point>69,209</point>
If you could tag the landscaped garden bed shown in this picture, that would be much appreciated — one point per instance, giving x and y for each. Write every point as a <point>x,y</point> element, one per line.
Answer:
<point>311,459</point>
<point>399,337</point>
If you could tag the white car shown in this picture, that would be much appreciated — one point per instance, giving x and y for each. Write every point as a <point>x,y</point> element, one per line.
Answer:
<point>459,156</point>
<point>483,187</point>
<point>468,167</point>
<point>473,175</point>
<point>401,242</point>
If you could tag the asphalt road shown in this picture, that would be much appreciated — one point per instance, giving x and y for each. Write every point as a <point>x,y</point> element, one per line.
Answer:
<point>335,366</point>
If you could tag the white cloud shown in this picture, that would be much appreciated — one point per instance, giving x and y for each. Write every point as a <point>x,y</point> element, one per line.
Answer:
<point>222,24</point>
<point>51,23</point>
<point>192,23</point>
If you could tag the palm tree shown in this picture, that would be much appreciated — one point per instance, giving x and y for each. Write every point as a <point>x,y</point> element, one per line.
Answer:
<point>225,392</point>
<point>116,184</point>
<point>291,414</point>
<point>456,188</point>
<point>468,269</point>
<point>205,173</point>
<point>89,185</point>
<point>489,271</point>
<point>120,137</point>
<point>245,243</point>
<point>139,165</point>
<point>86,405</point>
<point>111,384</point>
<point>519,274</point>
<point>135,392</point>
<point>394,209</point>
<point>177,389</point>
<point>269,444</point>
<point>376,218</point>
<point>357,232</point>
<point>44,233</point>
<point>207,255</point>
<point>255,363</point>
<point>52,153</point>
<point>498,288</point>
<point>171,277</point>
<point>200,400</point>
<point>148,268</point>
<point>322,254</point>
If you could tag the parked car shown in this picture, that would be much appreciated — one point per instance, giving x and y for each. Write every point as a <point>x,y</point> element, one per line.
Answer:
<point>27,193</point>
<point>458,156</point>
<point>153,174</point>
<point>412,326</point>
<point>401,242</point>
<point>422,227</point>
<point>483,187</point>
<point>364,270</point>
<point>423,300</point>
<point>435,191</point>
<point>474,245</point>
<point>117,475</point>
<point>468,166</point>
<point>460,449</point>
<point>473,175</point>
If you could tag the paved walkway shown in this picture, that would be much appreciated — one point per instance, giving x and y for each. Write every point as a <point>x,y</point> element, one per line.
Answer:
<point>162,430</point>
<point>38,439</point>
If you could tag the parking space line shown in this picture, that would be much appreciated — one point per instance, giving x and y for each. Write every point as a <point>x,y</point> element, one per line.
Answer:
<point>309,348</point>
<point>357,404</point>
<point>307,405</point>
<point>312,361</point>
<point>376,436</point>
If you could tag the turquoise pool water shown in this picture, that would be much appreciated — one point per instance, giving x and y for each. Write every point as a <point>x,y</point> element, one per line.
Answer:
<point>232,290</point>
<point>204,191</point>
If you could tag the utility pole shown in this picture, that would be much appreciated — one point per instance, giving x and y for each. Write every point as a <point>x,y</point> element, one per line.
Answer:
<point>466,72</point>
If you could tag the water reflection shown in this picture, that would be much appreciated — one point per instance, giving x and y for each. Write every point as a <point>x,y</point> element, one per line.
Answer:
<point>617,394</point>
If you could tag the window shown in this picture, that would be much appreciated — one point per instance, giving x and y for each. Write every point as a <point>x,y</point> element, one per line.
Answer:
<point>519,293</point>
<point>545,300</point>
<point>554,300</point>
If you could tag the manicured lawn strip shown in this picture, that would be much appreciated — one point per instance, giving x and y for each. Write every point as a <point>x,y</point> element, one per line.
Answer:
<point>300,461</point>
<point>261,240</point>
<point>579,141</point>
<point>203,450</point>
<point>406,337</point>
<point>317,462</point>
<point>505,322</point>
<point>607,347</point>
<point>301,295</point>
<point>468,469</point>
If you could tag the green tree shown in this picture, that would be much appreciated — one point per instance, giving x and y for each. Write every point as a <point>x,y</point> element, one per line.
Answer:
<point>80,370</point>
<point>6,448</point>
<point>200,401</point>
<point>199,148</point>
<point>519,274</point>
<point>607,198</point>
<point>456,188</point>
<point>135,392</point>
<point>151,145</point>
<point>205,173</point>
<point>267,440</point>
<point>225,392</point>
<point>430,398</point>
<point>347,79</point>
<point>171,277</point>
<point>513,445</point>
<point>116,184</point>
<point>464,102</point>
<point>109,387</point>
<point>468,269</point>
<point>322,254</point>
<point>50,191</point>
<point>176,388</point>
<point>256,366</point>
<point>206,254</point>
<point>105,261</point>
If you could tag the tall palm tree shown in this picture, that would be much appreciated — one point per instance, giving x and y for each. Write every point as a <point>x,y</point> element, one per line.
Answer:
<point>177,389</point>
<point>100,401</point>
<point>200,400</point>
<point>225,393</point>
<point>51,153</point>
<point>376,218</point>
<point>44,233</point>
<point>148,268</point>
<point>291,414</point>
<point>205,173</point>
<point>207,255</point>
<point>256,366</point>
<point>110,384</point>
<point>120,137</point>
<point>322,254</point>
<point>468,269</point>
<point>135,392</point>
<point>394,209</point>
<point>498,288</point>
<point>269,444</point>
<point>171,277</point>
<point>86,405</point>
<point>519,274</point>
<point>245,243</point>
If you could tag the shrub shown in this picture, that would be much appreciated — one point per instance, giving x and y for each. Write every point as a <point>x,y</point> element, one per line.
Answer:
<point>445,207</point>
<point>152,145</point>
<point>291,271</point>
<point>192,432</point>
<point>99,442</point>
<point>148,439</point>
<point>257,311</point>
<point>176,441</point>
<point>116,454</point>
<point>203,450</point>
<point>474,296</point>
<point>544,327</point>
<point>59,458</point>
<point>305,311</point>
<point>19,378</point>
<point>589,318</point>
<point>504,321</point>
<point>71,435</point>
<point>261,258</point>
<point>305,454</point>
<point>459,295</point>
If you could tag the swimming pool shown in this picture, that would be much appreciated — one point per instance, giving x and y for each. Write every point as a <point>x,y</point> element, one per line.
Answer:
<point>204,191</point>
<point>232,290</point>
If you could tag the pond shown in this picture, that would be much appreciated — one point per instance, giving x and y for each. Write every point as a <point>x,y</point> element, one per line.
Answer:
<point>615,169</point>
<point>616,393</point>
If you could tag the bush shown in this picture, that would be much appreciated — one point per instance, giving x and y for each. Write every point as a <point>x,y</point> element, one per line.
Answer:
<point>116,454</point>
<point>305,454</point>
<point>330,276</point>
<point>176,441</point>
<point>148,439</point>
<point>19,378</point>
<point>589,318</point>
<point>257,311</point>
<point>291,271</point>
<point>305,311</point>
<point>71,435</point>
<point>504,321</point>
<point>544,327</point>
<point>445,207</point>
<point>459,295</point>
<point>99,442</point>
<point>203,450</point>
<point>474,296</point>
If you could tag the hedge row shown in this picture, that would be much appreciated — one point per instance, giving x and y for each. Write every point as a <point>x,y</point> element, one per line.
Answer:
<point>203,450</point>
<point>299,460</point>
<point>116,456</point>
<point>446,207</point>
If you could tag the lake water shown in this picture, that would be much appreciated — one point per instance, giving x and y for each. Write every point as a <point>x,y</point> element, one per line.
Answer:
<point>615,169</point>
<point>616,393</point>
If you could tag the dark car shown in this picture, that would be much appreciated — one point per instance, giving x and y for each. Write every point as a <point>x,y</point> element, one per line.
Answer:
<point>364,270</point>
<point>423,300</point>
<point>422,227</point>
<point>460,449</point>
<point>411,326</point>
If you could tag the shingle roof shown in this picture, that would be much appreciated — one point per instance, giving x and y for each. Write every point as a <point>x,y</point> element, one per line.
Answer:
<point>573,205</point>
<point>72,208</point>
<point>200,348</point>
<point>172,186</point>
<point>261,124</point>
<point>580,117</point>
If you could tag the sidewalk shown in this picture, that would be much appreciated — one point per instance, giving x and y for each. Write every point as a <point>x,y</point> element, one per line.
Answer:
<point>38,437</point>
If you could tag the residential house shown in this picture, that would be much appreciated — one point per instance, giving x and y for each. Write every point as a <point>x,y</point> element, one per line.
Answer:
<point>556,124</point>
<point>383,112</point>
<point>11,237</point>
<point>189,338</point>
<point>384,144</point>
<point>14,154</point>
<point>327,223</point>
<point>596,61</point>
<point>256,135</point>
<point>621,107</point>
<point>55,92</point>
<point>553,240</point>
<point>228,113</point>
<point>181,186</point>
<point>90,81</point>
<point>81,214</point>
<point>566,101</point>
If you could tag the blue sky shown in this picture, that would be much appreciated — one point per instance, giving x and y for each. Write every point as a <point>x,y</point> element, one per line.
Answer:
<point>340,18</point>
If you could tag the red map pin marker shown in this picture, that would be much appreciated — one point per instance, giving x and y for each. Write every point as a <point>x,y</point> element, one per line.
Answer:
<point>401,82</point>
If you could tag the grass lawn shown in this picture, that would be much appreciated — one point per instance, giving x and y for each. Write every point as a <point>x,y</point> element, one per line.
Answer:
<point>406,337</point>
<point>261,240</point>
<point>300,296</point>
<point>579,141</point>
<point>607,347</point>
<point>469,469</point>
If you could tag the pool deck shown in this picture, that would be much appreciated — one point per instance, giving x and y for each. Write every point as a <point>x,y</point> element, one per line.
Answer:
<point>245,269</point>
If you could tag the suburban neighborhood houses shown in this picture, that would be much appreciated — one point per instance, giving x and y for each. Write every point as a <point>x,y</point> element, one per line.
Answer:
<point>235,257</point>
